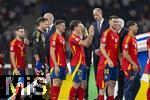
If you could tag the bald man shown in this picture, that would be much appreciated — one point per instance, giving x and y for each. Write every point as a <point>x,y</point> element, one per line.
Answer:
<point>100,25</point>
<point>50,31</point>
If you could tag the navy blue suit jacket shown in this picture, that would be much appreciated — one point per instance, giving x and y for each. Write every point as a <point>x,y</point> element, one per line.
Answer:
<point>47,39</point>
<point>97,35</point>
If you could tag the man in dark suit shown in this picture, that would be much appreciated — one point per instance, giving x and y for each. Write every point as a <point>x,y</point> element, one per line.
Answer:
<point>50,31</point>
<point>122,33</point>
<point>100,26</point>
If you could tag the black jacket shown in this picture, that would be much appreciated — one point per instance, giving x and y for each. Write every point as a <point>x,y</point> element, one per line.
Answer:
<point>38,46</point>
<point>97,35</point>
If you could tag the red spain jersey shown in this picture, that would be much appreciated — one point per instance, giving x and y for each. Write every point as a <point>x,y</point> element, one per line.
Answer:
<point>58,42</point>
<point>130,45</point>
<point>77,50</point>
<point>111,39</point>
<point>148,43</point>
<point>147,67</point>
<point>18,48</point>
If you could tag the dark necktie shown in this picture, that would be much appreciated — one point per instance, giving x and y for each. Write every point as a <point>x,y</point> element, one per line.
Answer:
<point>98,27</point>
<point>49,28</point>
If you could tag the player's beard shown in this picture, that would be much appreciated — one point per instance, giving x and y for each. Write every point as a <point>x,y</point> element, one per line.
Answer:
<point>21,37</point>
<point>44,29</point>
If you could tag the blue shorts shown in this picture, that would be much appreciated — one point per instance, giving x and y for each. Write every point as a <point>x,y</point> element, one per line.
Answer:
<point>110,73</point>
<point>81,74</point>
<point>61,75</point>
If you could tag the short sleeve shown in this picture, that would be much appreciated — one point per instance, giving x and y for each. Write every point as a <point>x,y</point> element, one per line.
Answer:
<point>75,39</point>
<point>104,38</point>
<point>12,47</point>
<point>126,44</point>
<point>53,41</point>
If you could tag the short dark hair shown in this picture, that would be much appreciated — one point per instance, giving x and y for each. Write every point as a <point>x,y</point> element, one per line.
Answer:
<point>18,27</point>
<point>130,23</point>
<point>74,23</point>
<point>40,20</point>
<point>59,21</point>
<point>113,16</point>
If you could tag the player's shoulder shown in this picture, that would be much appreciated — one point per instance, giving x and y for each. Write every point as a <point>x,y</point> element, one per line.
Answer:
<point>13,42</point>
<point>127,38</point>
<point>54,36</point>
<point>107,32</point>
<point>74,37</point>
<point>36,34</point>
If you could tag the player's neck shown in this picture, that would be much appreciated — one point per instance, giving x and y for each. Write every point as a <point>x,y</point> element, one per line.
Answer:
<point>19,38</point>
<point>131,34</point>
<point>76,33</point>
<point>58,32</point>
<point>113,30</point>
<point>39,28</point>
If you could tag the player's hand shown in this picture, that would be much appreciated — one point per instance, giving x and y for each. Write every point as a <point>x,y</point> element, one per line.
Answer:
<point>47,68</point>
<point>38,66</point>
<point>135,67</point>
<point>131,77</point>
<point>110,63</point>
<point>16,72</point>
<point>56,69</point>
<point>26,41</point>
<point>91,30</point>
<point>97,52</point>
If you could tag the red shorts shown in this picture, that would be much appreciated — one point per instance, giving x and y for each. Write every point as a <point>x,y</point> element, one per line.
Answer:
<point>100,79</point>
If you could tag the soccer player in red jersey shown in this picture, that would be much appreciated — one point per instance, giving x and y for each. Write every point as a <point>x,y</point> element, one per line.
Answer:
<point>78,58</point>
<point>130,64</point>
<point>107,73</point>
<point>147,68</point>
<point>17,55</point>
<point>57,58</point>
